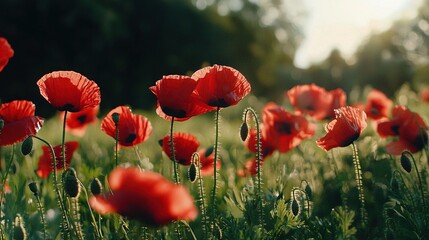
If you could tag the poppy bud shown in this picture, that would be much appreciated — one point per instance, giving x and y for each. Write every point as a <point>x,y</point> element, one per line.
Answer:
<point>71,184</point>
<point>160,142</point>
<point>405,162</point>
<point>13,168</point>
<point>1,123</point>
<point>19,232</point>
<point>308,191</point>
<point>244,131</point>
<point>33,188</point>
<point>116,117</point>
<point>192,172</point>
<point>27,146</point>
<point>208,152</point>
<point>295,207</point>
<point>95,186</point>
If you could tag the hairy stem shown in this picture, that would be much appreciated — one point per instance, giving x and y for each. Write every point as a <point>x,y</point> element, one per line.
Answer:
<point>173,154</point>
<point>213,207</point>
<point>358,173</point>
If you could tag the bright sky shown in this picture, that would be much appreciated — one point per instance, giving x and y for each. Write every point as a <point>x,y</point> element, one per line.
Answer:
<point>344,24</point>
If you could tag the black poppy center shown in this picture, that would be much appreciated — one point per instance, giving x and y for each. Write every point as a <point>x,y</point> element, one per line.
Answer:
<point>283,128</point>
<point>67,107</point>
<point>179,113</point>
<point>81,119</point>
<point>395,129</point>
<point>131,137</point>
<point>218,102</point>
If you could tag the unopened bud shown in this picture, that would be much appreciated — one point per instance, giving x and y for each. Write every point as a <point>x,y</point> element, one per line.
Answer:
<point>405,162</point>
<point>308,191</point>
<point>208,152</point>
<point>95,186</point>
<point>1,123</point>
<point>71,183</point>
<point>115,117</point>
<point>192,172</point>
<point>27,146</point>
<point>33,188</point>
<point>244,131</point>
<point>19,232</point>
<point>295,207</point>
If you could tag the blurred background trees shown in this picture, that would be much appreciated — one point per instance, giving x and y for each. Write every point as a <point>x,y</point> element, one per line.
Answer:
<point>126,45</point>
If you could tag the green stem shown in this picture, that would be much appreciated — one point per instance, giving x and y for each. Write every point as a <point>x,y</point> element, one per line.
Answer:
<point>204,217</point>
<point>94,222</point>
<point>116,143</point>
<point>259,164</point>
<point>173,154</point>
<point>3,194</point>
<point>420,180</point>
<point>42,216</point>
<point>213,208</point>
<point>358,173</point>
<point>63,140</point>
<point>66,221</point>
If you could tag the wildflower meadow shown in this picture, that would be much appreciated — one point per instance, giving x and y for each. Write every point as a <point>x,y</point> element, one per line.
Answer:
<point>213,161</point>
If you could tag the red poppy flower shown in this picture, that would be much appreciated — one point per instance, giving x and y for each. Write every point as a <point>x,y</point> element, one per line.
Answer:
<point>310,99</point>
<point>77,122</point>
<point>207,163</point>
<point>45,161</point>
<point>133,129</point>
<point>410,128</point>
<point>338,100</point>
<point>176,98</point>
<point>267,147</point>
<point>6,52</point>
<point>185,145</point>
<point>145,196</point>
<point>283,129</point>
<point>19,121</point>
<point>377,105</point>
<point>424,94</point>
<point>250,168</point>
<point>220,86</point>
<point>69,91</point>
<point>347,126</point>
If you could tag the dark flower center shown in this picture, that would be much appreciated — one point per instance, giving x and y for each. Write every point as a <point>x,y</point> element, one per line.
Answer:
<point>179,113</point>
<point>350,140</point>
<point>81,119</point>
<point>395,129</point>
<point>218,102</point>
<point>67,107</point>
<point>283,128</point>
<point>131,137</point>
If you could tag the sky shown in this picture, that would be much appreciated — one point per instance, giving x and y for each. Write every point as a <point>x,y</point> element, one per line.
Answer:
<point>344,24</point>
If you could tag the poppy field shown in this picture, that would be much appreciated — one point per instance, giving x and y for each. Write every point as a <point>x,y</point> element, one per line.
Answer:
<point>212,161</point>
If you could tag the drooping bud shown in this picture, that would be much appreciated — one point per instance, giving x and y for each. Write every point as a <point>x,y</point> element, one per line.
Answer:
<point>405,161</point>
<point>208,152</point>
<point>19,232</point>
<point>1,123</point>
<point>308,191</point>
<point>71,183</point>
<point>115,117</point>
<point>27,146</point>
<point>160,142</point>
<point>295,207</point>
<point>33,188</point>
<point>95,186</point>
<point>192,172</point>
<point>244,131</point>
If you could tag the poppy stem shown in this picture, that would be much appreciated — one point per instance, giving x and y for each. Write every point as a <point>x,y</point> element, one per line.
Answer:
<point>173,154</point>
<point>202,199</point>
<point>63,150</point>
<point>116,143</point>
<point>42,216</point>
<point>3,194</point>
<point>419,178</point>
<point>213,208</point>
<point>66,222</point>
<point>358,173</point>
<point>259,163</point>
<point>94,222</point>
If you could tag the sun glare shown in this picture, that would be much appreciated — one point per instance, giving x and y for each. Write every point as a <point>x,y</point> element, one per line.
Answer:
<point>345,24</point>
